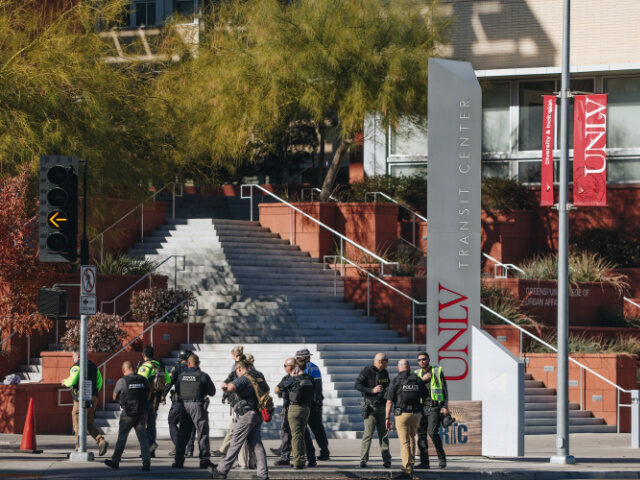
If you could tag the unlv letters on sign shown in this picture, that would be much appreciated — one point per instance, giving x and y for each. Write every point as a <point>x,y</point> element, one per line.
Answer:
<point>589,150</point>
<point>453,210</point>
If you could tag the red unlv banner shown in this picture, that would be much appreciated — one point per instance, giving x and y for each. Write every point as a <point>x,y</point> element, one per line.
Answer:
<point>548,119</point>
<point>589,150</point>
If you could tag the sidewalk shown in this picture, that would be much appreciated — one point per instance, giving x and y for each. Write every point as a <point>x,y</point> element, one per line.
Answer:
<point>597,456</point>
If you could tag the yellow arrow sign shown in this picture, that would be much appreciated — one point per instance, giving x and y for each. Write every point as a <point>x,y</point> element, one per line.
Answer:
<point>56,217</point>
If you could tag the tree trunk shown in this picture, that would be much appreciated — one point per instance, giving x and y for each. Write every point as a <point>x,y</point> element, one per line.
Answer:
<point>332,173</point>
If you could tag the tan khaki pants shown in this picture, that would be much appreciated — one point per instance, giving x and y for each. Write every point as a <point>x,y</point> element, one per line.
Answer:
<point>91,428</point>
<point>407,426</point>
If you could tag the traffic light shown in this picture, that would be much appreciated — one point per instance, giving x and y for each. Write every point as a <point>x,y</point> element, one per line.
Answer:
<point>58,232</point>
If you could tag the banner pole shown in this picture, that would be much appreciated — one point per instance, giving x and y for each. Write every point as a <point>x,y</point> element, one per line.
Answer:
<point>562,436</point>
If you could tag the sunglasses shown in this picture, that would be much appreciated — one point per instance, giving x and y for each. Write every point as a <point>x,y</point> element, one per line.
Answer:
<point>423,359</point>
<point>384,359</point>
<point>287,365</point>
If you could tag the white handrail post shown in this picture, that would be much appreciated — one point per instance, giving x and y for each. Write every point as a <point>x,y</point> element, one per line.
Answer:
<point>617,411</point>
<point>341,257</point>
<point>173,201</point>
<point>635,418</point>
<point>290,227</point>
<point>581,386</point>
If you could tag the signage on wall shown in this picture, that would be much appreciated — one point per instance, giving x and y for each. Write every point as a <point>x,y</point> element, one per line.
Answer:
<point>548,125</point>
<point>589,150</point>
<point>453,210</point>
<point>464,436</point>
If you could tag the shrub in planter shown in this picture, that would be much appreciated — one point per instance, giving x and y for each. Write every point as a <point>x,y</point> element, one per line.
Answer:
<point>502,302</point>
<point>104,333</point>
<point>505,195</point>
<point>409,190</point>
<point>151,304</point>
<point>123,265</point>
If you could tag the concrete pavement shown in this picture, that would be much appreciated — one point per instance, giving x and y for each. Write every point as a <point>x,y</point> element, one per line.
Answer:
<point>597,455</point>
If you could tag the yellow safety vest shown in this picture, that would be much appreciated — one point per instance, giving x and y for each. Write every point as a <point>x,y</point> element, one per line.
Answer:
<point>437,393</point>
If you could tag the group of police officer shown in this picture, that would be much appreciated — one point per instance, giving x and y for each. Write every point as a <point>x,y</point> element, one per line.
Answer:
<point>418,400</point>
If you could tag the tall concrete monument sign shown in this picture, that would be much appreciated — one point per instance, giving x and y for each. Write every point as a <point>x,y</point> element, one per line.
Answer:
<point>453,210</point>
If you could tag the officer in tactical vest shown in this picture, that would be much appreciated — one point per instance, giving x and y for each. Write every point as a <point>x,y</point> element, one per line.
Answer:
<point>301,396</point>
<point>133,392</point>
<point>157,376</point>
<point>404,397</point>
<point>435,405</point>
<point>285,431</point>
<point>373,383</point>
<point>193,386</point>
<point>73,381</point>
<point>177,406</point>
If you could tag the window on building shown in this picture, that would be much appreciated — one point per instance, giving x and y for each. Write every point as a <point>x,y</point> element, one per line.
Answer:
<point>185,8</point>
<point>145,13</point>
<point>496,129</point>
<point>623,121</point>
<point>409,139</point>
<point>530,112</point>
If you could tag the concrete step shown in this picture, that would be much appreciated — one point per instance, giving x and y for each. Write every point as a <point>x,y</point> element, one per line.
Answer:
<point>551,414</point>
<point>547,430</point>
<point>538,422</point>
<point>547,406</point>
<point>542,391</point>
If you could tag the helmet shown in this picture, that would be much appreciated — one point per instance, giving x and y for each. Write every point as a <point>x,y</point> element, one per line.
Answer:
<point>184,354</point>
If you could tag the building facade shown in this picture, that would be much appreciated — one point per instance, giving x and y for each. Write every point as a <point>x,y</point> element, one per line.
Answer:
<point>515,47</point>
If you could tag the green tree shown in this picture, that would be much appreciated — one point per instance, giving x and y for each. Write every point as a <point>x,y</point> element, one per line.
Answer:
<point>264,65</point>
<point>58,96</point>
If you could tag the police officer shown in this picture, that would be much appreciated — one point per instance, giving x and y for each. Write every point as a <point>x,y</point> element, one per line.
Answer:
<point>300,394</point>
<point>303,359</point>
<point>133,392</point>
<point>176,404</point>
<point>157,376</point>
<point>247,427</point>
<point>405,396</point>
<point>237,354</point>
<point>72,381</point>
<point>434,406</point>
<point>193,386</point>
<point>373,383</point>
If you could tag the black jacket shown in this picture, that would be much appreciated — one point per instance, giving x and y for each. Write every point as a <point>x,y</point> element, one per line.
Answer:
<point>368,379</point>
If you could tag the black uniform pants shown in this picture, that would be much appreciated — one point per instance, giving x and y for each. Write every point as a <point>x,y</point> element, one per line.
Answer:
<point>194,416</point>
<point>316,426</point>
<point>429,425</point>
<point>285,440</point>
<point>175,412</point>
<point>139,423</point>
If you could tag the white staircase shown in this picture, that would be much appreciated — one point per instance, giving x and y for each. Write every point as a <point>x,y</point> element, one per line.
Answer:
<point>540,412</point>
<point>31,373</point>
<point>256,290</point>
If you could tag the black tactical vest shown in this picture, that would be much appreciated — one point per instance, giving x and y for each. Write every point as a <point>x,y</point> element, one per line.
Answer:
<point>190,390</point>
<point>134,398</point>
<point>409,397</point>
<point>302,391</point>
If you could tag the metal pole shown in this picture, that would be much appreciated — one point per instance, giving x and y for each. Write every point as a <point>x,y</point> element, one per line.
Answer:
<point>562,421</point>
<point>82,455</point>
<point>84,243</point>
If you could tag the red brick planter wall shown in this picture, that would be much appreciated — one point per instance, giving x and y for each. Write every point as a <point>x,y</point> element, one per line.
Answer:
<point>50,419</point>
<point>371,225</point>
<point>587,301</point>
<point>620,369</point>
<point>509,238</point>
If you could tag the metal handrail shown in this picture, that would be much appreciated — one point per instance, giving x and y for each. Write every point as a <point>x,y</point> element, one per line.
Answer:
<point>505,267</point>
<point>8,338</point>
<point>393,200</point>
<point>141,206</point>
<point>148,275</point>
<point>618,388</point>
<point>342,238</point>
<point>150,327</point>
<point>386,284</point>
<point>312,190</point>
<point>631,302</point>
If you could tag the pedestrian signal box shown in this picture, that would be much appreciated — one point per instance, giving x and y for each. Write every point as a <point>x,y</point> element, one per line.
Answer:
<point>58,222</point>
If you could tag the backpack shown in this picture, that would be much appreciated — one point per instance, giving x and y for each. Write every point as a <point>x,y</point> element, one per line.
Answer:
<point>159,381</point>
<point>265,402</point>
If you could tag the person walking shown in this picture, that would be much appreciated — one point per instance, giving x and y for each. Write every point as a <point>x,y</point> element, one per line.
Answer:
<point>405,396</point>
<point>157,376</point>
<point>285,432</point>
<point>248,385</point>
<point>237,354</point>
<point>193,387</point>
<point>73,381</point>
<point>133,392</point>
<point>303,359</point>
<point>373,383</point>
<point>177,405</point>
<point>434,407</point>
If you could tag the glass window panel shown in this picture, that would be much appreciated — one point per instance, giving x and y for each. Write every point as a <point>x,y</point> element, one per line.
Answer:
<point>530,113</point>
<point>495,117</point>
<point>627,170</point>
<point>408,170</point>
<point>409,139</point>
<point>577,85</point>
<point>529,172</point>
<point>623,121</point>
<point>495,169</point>
<point>141,14</point>
<point>185,8</point>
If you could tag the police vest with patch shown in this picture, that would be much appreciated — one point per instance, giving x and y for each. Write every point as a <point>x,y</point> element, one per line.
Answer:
<point>435,385</point>
<point>409,396</point>
<point>190,386</point>
<point>133,399</point>
<point>302,391</point>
